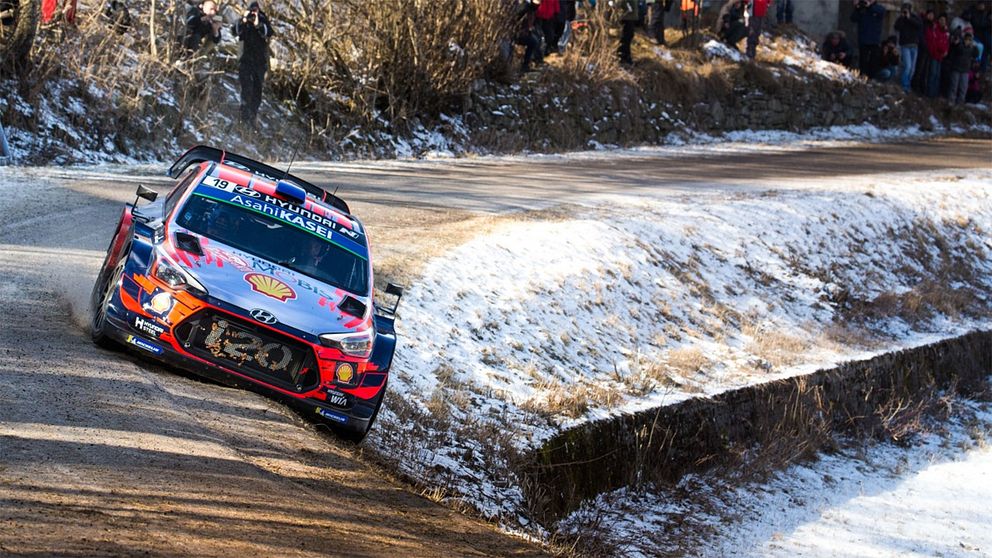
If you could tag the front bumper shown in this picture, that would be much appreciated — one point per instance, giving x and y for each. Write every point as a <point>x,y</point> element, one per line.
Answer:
<point>354,413</point>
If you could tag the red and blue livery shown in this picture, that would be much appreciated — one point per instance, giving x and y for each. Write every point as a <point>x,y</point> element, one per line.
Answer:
<point>251,276</point>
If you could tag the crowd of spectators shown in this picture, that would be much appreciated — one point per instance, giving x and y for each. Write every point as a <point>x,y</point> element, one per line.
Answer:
<point>924,52</point>
<point>930,53</point>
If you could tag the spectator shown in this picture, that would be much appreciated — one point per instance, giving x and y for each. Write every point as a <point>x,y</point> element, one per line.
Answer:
<point>253,30</point>
<point>974,94</point>
<point>630,14</point>
<point>919,83</point>
<point>732,27</point>
<point>656,19</point>
<point>936,38</point>
<point>783,11</point>
<point>547,17</point>
<point>527,34</point>
<point>980,17</point>
<point>889,60</point>
<point>909,26</point>
<point>118,17</point>
<point>868,14</point>
<point>565,19</point>
<point>202,21</point>
<point>962,54</point>
<point>759,9</point>
<point>835,49</point>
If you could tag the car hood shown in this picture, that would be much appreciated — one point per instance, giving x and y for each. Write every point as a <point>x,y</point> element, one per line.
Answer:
<point>251,283</point>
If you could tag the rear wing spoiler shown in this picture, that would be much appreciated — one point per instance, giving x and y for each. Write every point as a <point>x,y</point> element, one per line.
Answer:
<point>202,153</point>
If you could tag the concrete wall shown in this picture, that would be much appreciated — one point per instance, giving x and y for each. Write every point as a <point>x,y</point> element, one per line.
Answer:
<point>817,17</point>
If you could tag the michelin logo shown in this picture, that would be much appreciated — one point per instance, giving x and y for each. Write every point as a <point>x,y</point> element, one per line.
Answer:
<point>142,344</point>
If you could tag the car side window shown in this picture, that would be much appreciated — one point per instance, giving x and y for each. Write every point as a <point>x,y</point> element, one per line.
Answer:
<point>173,198</point>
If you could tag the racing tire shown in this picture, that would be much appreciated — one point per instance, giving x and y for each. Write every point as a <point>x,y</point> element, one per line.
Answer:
<point>356,435</point>
<point>103,292</point>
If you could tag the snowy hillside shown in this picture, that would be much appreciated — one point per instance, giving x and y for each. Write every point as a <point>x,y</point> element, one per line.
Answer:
<point>628,303</point>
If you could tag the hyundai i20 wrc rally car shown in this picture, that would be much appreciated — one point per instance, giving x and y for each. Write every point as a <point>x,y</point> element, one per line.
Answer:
<point>250,275</point>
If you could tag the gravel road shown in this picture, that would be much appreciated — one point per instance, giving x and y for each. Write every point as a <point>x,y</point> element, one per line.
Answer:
<point>103,454</point>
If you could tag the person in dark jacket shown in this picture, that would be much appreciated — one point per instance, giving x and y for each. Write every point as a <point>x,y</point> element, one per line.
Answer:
<point>835,49</point>
<point>732,28</point>
<point>201,22</point>
<point>869,15</point>
<point>629,16</point>
<point>527,35</point>
<point>962,53</point>
<point>909,26</point>
<point>253,30</point>
<point>784,9</point>
<point>919,83</point>
<point>980,17</point>
<point>889,65</point>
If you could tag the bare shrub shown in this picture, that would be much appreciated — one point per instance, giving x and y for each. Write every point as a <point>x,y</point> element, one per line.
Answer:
<point>402,58</point>
<point>592,54</point>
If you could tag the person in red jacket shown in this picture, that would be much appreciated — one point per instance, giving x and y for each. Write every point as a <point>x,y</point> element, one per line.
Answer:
<point>938,42</point>
<point>758,13</point>
<point>547,20</point>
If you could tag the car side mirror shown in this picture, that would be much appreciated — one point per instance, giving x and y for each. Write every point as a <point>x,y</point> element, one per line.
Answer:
<point>145,194</point>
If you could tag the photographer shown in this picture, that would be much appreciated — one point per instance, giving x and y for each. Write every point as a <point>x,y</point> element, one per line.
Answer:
<point>909,26</point>
<point>201,21</point>
<point>835,49</point>
<point>869,15</point>
<point>253,30</point>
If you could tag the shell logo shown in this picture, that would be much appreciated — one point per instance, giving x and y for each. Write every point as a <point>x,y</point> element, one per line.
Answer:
<point>270,286</point>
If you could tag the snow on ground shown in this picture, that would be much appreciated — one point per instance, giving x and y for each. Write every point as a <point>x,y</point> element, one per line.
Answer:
<point>930,498</point>
<point>631,303</point>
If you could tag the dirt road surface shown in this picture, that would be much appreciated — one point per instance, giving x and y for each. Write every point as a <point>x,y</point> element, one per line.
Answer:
<point>103,454</point>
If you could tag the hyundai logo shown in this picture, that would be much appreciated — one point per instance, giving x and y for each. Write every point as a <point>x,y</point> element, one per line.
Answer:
<point>263,316</point>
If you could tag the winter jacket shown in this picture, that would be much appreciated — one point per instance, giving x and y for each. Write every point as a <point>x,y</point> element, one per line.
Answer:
<point>961,56</point>
<point>910,30</point>
<point>761,7</point>
<point>548,9</point>
<point>937,40</point>
<point>197,29</point>
<point>255,40</point>
<point>869,20</point>
<point>832,53</point>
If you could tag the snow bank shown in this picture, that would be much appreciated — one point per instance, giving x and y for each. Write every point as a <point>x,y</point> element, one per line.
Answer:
<point>634,303</point>
<point>929,498</point>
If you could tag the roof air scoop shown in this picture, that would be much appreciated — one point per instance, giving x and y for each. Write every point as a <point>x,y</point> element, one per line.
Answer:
<point>291,192</point>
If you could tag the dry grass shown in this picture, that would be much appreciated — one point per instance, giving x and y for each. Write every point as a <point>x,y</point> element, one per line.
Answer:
<point>687,361</point>
<point>777,347</point>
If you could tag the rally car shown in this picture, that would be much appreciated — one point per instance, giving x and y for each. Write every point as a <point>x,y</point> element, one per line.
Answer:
<point>250,275</point>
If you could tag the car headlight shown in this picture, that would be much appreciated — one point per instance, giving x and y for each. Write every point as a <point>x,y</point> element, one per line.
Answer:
<point>174,276</point>
<point>352,344</point>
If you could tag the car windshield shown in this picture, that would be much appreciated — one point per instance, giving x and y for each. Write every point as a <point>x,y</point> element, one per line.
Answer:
<point>277,242</point>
